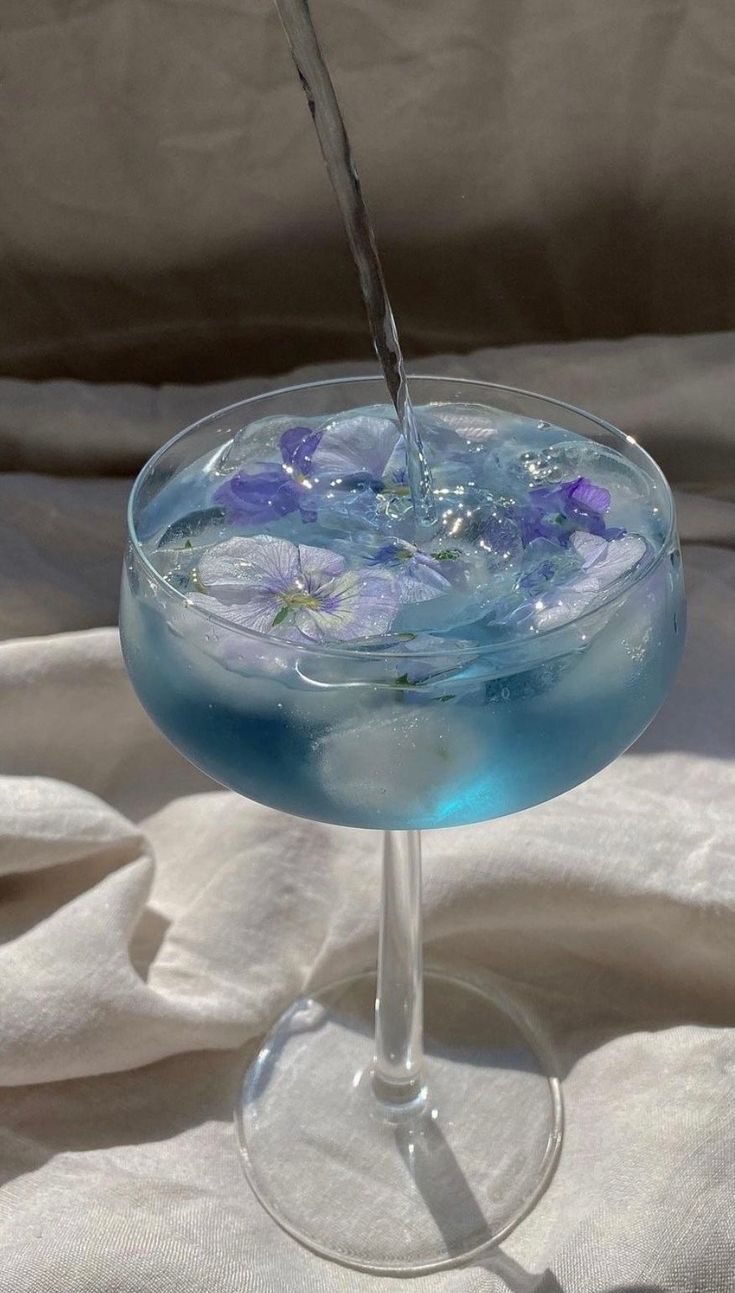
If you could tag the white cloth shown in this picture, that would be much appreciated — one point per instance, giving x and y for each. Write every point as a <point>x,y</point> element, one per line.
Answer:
<point>151,925</point>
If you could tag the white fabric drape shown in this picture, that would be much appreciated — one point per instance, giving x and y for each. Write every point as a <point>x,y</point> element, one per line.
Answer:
<point>151,925</point>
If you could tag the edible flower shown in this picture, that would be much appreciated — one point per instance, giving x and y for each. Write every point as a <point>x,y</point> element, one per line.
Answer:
<point>280,488</point>
<point>603,562</point>
<point>295,591</point>
<point>419,575</point>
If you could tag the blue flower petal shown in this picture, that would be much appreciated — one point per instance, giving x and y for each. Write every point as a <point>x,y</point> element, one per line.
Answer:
<point>418,575</point>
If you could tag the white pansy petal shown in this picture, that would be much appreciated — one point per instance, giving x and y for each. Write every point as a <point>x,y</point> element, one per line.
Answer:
<point>586,583</point>
<point>475,422</point>
<point>356,605</point>
<point>230,570</point>
<point>225,643</point>
<point>621,556</point>
<point>419,583</point>
<point>355,445</point>
<point>258,613</point>
<point>588,547</point>
<point>610,562</point>
<point>319,564</point>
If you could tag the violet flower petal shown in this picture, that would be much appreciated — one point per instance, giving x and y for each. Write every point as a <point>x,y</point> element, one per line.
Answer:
<point>360,445</point>
<point>603,563</point>
<point>235,650</point>
<point>297,448</point>
<point>418,575</point>
<point>533,524</point>
<point>418,582</point>
<point>260,497</point>
<point>552,498</point>
<point>570,495</point>
<point>595,498</point>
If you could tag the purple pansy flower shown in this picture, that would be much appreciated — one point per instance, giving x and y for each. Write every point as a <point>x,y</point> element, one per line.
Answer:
<point>603,562</point>
<point>572,495</point>
<point>277,490</point>
<point>534,524</point>
<point>574,504</point>
<point>258,497</point>
<point>298,445</point>
<point>352,454</point>
<point>419,576</point>
<point>296,591</point>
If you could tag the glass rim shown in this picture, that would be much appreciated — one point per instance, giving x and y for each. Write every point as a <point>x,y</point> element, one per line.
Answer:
<point>363,651</point>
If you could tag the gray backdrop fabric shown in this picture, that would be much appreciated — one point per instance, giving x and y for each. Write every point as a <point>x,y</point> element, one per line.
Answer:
<point>152,924</point>
<point>537,170</point>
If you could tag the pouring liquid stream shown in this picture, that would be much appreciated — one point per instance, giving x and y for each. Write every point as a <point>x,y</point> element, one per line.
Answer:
<point>337,152</point>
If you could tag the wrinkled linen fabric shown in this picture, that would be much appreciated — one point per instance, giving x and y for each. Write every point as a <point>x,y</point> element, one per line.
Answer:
<point>152,925</point>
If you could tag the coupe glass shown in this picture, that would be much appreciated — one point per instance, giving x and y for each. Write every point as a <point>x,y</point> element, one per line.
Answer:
<point>414,1144</point>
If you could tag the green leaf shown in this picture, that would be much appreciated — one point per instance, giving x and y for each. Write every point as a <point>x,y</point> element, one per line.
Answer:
<point>280,617</point>
<point>401,681</point>
<point>447,554</point>
<point>188,544</point>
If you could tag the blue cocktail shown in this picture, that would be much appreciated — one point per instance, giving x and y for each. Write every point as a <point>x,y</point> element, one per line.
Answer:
<point>300,636</point>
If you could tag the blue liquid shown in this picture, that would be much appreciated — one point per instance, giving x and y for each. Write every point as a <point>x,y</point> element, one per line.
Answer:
<point>502,717</point>
<point>377,756</point>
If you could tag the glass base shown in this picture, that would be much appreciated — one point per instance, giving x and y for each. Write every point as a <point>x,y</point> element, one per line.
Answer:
<point>396,1189</point>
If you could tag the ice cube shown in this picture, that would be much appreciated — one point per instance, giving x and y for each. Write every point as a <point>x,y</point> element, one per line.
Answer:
<point>348,511</point>
<point>546,564</point>
<point>526,684</point>
<point>196,530</point>
<point>405,755</point>
<point>259,442</point>
<point>544,459</point>
<point>211,638</point>
<point>184,542</point>
<point>501,552</point>
<point>617,641</point>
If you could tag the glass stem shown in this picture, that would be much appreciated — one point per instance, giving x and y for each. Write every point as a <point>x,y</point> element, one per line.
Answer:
<point>398,1063</point>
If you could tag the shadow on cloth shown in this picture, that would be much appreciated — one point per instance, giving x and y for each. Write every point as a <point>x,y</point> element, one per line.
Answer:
<point>164,1101</point>
<point>519,1280</point>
